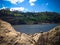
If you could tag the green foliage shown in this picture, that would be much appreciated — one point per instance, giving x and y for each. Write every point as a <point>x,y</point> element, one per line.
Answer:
<point>15,17</point>
<point>17,14</point>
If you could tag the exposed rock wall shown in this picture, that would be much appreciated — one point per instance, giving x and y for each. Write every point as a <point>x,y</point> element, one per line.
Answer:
<point>8,36</point>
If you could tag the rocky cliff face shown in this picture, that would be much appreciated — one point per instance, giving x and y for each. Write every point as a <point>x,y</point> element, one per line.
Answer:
<point>8,36</point>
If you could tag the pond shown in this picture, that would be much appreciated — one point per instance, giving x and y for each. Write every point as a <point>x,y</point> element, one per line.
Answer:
<point>31,29</point>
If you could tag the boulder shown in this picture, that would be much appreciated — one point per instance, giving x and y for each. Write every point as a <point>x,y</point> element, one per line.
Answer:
<point>9,36</point>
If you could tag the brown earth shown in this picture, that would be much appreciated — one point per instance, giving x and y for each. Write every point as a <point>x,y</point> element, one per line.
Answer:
<point>8,36</point>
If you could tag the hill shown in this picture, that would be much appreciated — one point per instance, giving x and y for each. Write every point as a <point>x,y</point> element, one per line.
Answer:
<point>8,36</point>
<point>16,17</point>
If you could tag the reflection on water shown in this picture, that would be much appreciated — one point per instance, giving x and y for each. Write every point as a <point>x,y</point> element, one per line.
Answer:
<point>31,29</point>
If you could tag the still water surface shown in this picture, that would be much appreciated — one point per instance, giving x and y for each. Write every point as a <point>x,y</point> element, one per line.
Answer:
<point>31,29</point>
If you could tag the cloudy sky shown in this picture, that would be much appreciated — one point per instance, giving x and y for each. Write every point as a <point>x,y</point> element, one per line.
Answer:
<point>31,5</point>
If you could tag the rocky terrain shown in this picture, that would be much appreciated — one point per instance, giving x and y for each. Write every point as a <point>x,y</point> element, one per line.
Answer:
<point>8,36</point>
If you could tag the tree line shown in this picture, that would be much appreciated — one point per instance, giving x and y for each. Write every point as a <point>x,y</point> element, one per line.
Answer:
<point>18,17</point>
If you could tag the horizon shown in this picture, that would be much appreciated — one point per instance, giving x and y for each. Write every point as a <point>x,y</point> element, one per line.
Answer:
<point>31,12</point>
<point>31,5</point>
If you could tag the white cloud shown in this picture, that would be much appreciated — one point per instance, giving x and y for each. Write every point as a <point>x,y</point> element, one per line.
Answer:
<point>3,7</point>
<point>17,8</point>
<point>15,1</point>
<point>32,2</point>
<point>36,11</point>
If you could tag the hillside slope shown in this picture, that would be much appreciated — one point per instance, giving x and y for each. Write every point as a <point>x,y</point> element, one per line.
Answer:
<point>16,17</point>
<point>8,36</point>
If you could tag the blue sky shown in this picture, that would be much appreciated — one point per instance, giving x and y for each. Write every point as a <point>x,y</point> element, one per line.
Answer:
<point>31,5</point>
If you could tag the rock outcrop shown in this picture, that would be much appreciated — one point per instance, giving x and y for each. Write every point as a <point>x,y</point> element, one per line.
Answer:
<point>8,36</point>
